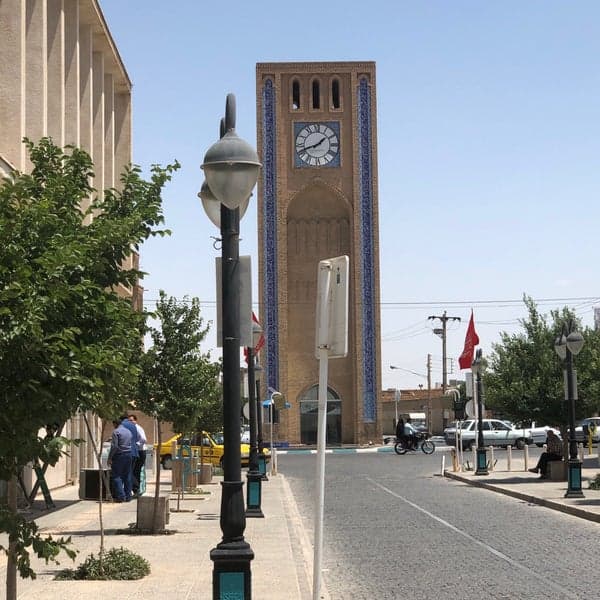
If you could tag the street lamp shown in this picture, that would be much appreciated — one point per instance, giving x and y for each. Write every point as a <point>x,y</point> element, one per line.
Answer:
<point>262,459</point>
<point>477,367</point>
<point>568,344</point>
<point>254,477</point>
<point>231,168</point>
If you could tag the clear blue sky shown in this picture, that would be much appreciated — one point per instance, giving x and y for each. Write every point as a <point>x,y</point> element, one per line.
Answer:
<point>489,148</point>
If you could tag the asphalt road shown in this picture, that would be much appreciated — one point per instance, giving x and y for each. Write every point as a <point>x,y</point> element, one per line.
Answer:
<point>394,528</point>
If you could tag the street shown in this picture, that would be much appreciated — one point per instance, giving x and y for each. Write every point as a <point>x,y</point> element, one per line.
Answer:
<point>393,528</point>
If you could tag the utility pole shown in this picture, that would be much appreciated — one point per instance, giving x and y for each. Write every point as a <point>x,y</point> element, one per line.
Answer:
<point>444,319</point>
<point>429,393</point>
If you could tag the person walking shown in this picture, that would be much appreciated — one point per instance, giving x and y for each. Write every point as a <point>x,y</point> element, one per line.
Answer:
<point>119,461</point>
<point>140,460</point>
<point>554,451</point>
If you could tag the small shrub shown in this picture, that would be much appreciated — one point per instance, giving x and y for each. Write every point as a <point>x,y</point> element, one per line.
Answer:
<point>594,484</point>
<point>117,563</point>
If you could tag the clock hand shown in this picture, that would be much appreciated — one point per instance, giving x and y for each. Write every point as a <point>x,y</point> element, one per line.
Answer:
<point>317,144</point>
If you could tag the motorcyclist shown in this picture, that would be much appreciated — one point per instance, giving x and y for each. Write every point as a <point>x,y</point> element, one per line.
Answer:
<point>410,434</point>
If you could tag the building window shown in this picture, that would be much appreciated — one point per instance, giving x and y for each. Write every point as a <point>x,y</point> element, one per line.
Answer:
<point>316,95</point>
<point>295,95</point>
<point>335,94</point>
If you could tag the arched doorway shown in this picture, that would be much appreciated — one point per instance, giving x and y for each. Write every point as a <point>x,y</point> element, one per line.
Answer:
<point>309,415</point>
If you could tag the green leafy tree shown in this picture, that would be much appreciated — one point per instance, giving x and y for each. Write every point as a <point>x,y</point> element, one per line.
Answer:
<point>524,380</point>
<point>68,340</point>
<point>179,383</point>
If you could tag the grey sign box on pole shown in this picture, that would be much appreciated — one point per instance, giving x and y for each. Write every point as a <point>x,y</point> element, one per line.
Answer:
<point>333,298</point>
<point>245,266</point>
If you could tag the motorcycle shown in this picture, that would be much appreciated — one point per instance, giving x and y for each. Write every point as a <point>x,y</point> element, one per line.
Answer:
<point>412,443</point>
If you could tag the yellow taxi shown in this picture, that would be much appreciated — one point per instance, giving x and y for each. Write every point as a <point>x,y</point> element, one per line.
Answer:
<point>205,445</point>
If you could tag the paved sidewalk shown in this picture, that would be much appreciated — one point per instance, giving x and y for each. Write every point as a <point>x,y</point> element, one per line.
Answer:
<point>180,564</point>
<point>520,483</point>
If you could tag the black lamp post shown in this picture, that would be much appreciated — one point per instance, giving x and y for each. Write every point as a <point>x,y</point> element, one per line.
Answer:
<point>231,168</point>
<point>568,344</point>
<point>254,478</point>
<point>262,459</point>
<point>477,367</point>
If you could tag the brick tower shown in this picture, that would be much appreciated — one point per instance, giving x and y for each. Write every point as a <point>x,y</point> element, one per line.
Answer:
<point>317,199</point>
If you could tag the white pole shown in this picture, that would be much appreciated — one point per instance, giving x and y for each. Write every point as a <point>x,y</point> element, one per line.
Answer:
<point>271,423</point>
<point>322,339</point>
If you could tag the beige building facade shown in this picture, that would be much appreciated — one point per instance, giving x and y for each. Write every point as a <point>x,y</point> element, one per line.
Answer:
<point>61,76</point>
<point>317,199</point>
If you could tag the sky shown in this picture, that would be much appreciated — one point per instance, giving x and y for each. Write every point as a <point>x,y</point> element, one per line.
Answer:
<point>488,150</point>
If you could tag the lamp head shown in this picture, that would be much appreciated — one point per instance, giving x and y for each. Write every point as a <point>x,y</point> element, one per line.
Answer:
<point>560,346</point>
<point>231,168</point>
<point>256,333</point>
<point>212,207</point>
<point>575,342</point>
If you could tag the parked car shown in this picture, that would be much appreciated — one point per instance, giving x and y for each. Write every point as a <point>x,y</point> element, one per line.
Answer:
<point>201,444</point>
<point>539,434</point>
<point>594,423</point>
<point>495,433</point>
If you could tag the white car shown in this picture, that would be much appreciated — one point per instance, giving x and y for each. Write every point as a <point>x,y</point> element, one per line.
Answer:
<point>580,434</point>
<point>495,433</point>
<point>539,434</point>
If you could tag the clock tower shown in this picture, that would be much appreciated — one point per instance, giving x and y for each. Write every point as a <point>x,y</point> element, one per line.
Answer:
<point>317,199</point>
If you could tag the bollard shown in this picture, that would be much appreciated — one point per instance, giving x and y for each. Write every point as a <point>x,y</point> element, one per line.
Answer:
<point>509,458</point>
<point>526,457</point>
<point>443,465</point>
<point>580,451</point>
<point>474,452</point>
<point>273,461</point>
<point>492,461</point>
<point>454,460</point>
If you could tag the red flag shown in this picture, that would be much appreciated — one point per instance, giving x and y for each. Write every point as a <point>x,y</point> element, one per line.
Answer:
<point>259,344</point>
<point>471,340</point>
<point>261,341</point>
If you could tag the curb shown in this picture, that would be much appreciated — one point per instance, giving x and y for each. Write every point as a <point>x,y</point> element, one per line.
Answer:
<point>552,504</point>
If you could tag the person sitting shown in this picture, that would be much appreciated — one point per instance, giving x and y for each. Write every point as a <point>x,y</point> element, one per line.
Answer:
<point>410,434</point>
<point>400,430</point>
<point>554,451</point>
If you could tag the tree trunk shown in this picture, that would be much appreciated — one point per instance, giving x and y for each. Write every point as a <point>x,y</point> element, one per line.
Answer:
<point>157,486</point>
<point>11,564</point>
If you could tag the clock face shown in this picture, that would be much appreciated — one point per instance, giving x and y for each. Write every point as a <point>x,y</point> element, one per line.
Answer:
<point>317,144</point>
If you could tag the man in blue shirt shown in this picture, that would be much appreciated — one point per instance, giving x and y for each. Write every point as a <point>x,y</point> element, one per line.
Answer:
<point>119,461</point>
<point>134,446</point>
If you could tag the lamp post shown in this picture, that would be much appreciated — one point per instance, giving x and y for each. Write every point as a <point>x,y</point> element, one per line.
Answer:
<point>477,367</point>
<point>262,459</point>
<point>254,477</point>
<point>231,169</point>
<point>568,344</point>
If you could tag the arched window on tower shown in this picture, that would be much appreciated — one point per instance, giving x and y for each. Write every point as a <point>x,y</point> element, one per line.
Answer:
<point>295,95</point>
<point>335,93</point>
<point>316,94</point>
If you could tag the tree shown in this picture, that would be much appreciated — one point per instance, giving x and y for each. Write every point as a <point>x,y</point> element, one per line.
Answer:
<point>524,380</point>
<point>178,383</point>
<point>68,341</point>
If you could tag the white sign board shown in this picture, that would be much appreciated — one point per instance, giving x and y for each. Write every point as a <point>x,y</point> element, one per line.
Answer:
<point>332,296</point>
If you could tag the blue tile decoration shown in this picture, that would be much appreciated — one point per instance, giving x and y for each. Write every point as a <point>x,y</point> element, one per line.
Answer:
<point>269,241</point>
<point>367,284</point>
